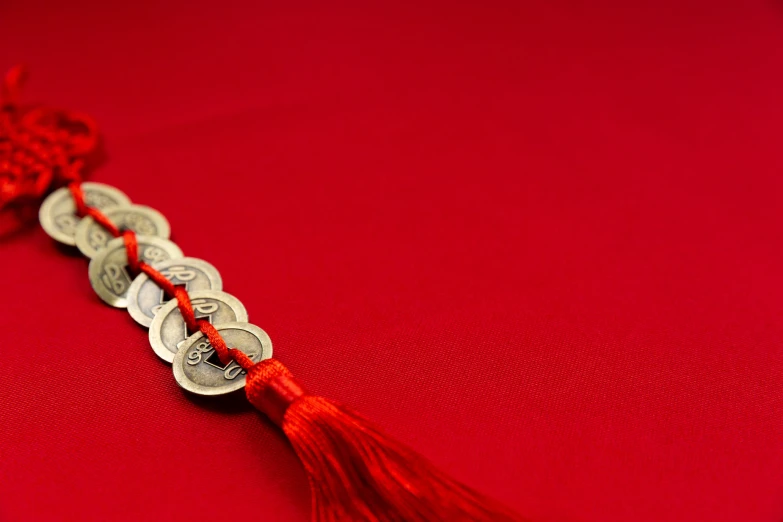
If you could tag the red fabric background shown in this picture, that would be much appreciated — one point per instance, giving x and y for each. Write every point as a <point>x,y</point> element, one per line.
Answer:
<point>539,244</point>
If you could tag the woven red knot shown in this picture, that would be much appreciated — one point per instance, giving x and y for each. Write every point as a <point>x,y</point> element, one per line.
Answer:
<point>40,147</point>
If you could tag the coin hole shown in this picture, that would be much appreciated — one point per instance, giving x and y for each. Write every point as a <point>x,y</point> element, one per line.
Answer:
<point>214,360</point>
<point>197,315</point>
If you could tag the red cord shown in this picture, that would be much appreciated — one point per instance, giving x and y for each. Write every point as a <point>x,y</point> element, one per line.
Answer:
<point>41,147</point>
<point>137,266</point>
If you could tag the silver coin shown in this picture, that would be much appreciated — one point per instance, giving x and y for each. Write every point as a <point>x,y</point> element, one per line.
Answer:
<point>109,275</point>
<point>145,297</point>
<point>198,369</point>
<point>168,330</point>
<point>58,211</point>
<point>91,237</point>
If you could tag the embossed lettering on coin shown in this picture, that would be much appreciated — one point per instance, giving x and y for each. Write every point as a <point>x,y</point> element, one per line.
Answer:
<point>197,367</point>
<point>58,211</point>
<point>206,353</point>
<point>91,237</point>
<point>168,330</point>
<point>109,273</point>
<point>145,297</point>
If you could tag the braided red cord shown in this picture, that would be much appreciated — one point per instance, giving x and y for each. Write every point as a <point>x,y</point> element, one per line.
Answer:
<point>137,266</point>
<point>83,210</point>
<point>41,147</point>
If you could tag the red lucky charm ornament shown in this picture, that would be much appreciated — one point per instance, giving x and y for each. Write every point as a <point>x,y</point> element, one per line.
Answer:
<point>355,470</point>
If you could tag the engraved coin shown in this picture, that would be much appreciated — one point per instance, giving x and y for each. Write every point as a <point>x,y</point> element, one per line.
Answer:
<point>145,297</point>
<point>198,369</point>
<point>58,211</point>
<point>91,237</point>
<point>168,330</point>
<point>109,275</point>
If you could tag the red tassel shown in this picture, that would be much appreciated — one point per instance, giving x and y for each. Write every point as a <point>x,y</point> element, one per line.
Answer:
<point>356,471</point>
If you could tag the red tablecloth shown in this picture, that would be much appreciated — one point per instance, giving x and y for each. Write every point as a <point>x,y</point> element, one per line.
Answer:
<point>540,244</point>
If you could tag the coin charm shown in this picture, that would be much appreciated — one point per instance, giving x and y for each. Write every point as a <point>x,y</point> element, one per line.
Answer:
<point>109,275</point>
<point>168,330</point>
<point>198,369</point>
<point>58,211</point>
<point>91,237</point>
<point>145,297</point>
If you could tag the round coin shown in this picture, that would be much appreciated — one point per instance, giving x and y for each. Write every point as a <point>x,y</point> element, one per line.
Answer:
<point>198,369</point>
<point>145,297</point>
<point>168,330</point>
<point>58,211</point>
<point>109,275</point>
<point>91,237</point>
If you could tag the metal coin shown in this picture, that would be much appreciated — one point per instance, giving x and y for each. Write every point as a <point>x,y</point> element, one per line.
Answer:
<point>145,298</point>
<point>168,330</point>
<point>91,237</point>
<point>109,275</point>
<point>58,211</point>
<point>198,369</point>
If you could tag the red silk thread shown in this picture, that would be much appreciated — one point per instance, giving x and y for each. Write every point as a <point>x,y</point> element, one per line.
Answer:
<point>137,266</point>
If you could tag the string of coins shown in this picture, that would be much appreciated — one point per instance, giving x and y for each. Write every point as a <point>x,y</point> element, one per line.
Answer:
<point>134,265</point>
<point>356,471</point>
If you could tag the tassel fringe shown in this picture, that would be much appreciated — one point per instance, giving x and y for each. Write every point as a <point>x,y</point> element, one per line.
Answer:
<point>356,471</point>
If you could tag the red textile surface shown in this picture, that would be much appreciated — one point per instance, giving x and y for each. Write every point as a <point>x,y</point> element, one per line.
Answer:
<point>541,245</point>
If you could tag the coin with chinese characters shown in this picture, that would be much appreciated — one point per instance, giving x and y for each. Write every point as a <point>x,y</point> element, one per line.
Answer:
<point>145,297</point>
<point>168,330</point>
<point>109,273</point>
<point>91,237</point>
<point>197,367</point>
<point>58,211</point>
